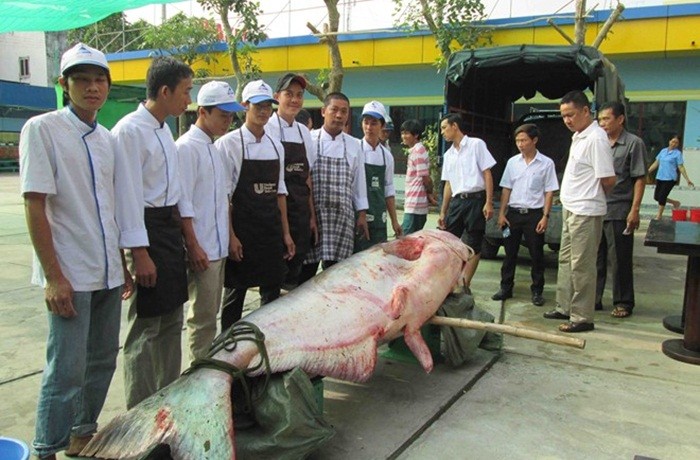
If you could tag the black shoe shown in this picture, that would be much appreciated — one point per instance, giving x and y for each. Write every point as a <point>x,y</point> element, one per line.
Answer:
<point>598,306</point>
<point>537,300</point>
<point>553,314</point>
<point>502,295</point>
<point>576,327</point>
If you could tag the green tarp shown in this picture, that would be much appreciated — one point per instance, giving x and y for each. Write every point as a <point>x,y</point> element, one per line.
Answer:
<point>489,79</point>
<point>54,15</point>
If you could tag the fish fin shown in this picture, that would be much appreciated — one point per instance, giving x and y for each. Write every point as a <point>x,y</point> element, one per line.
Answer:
<point>192,415</point>
<point>398,301</point>
<point>417,345</point>
<point>353,361</point>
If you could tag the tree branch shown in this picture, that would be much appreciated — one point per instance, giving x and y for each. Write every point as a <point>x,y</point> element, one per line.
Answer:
<point>561,32</point>
<point>608,24</point>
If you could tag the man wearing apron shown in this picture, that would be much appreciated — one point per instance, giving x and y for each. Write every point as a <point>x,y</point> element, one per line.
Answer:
<point>298,155</point>
<point>152,356</point>
<point>260,241</point>
<point>204,208</point>
<point>340,188</point>
<point>379,173</point>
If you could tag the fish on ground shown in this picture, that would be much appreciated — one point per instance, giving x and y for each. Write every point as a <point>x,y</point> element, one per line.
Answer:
<point>329,326</point>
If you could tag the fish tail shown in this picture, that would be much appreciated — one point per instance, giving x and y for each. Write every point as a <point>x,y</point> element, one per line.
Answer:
<point>193,416</point>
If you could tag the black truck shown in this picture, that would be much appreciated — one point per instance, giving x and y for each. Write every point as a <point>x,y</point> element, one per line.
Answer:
<point>483,85</point>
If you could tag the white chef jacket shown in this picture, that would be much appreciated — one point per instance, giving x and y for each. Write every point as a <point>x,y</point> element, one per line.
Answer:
<point>326,145</point>
<point>279,129</point>
<point>381,156</point>
<point>267,149</point>
<point>73,164</point>
<point>205,188</point>
<point>149,154</point>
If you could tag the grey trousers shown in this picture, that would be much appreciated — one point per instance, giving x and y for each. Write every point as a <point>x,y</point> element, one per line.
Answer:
<point>616,249</point>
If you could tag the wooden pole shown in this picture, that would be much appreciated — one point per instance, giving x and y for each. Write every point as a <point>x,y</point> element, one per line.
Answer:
<point>509,330</point>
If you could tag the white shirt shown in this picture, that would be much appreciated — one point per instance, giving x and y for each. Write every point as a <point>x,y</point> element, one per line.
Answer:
<point>205,188</point>
<point>381,156</point>
<point>344,145</point>
<point>267,149</point>
<point>279,129</point>
<point>529,182</point>
<point>150,156</point>
<point>590,159</point>
<point>73,164</point>
<point>464,167</point>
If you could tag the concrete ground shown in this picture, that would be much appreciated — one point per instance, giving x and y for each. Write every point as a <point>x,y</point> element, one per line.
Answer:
<point>618,398</point>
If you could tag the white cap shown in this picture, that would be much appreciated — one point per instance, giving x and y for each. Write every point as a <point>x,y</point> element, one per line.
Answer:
<point>258,91</point>
<point>374,109</point>
<point>389,123</point>
<point>82,54</point>
<point>218,94</point>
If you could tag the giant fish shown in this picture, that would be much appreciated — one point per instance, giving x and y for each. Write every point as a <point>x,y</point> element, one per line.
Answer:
<point>329,326</point>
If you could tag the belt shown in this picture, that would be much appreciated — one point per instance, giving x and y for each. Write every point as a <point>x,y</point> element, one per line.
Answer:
<point>524,210</point>
<point>472,195</point>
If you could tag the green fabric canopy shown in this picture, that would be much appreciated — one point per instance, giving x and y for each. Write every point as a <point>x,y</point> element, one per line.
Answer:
<point>54,15</point>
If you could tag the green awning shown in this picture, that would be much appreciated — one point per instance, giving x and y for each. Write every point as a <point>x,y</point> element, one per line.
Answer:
<point>54,15</point>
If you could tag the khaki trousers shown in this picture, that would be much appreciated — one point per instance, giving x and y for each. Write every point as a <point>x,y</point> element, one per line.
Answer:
<point>152,353</point>
<point>205,297</point>
<point>576,279</point>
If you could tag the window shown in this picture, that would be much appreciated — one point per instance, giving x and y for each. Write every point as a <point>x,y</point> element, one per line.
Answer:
<point>24,68</point>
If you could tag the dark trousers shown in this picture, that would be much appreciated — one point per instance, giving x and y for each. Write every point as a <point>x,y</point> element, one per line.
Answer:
<point>523,224</point>
<point>308,271</point>
<point>616,248</point>
<point>232,303</point>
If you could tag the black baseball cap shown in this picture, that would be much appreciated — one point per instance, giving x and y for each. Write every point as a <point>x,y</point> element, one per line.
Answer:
<point>284,82</point>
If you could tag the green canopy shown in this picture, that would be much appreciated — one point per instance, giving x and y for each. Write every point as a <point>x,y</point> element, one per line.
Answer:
<point>491,78</point>
<point>54,15</point>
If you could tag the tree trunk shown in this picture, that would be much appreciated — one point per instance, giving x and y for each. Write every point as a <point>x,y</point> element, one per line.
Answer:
<point>232,52</point>
<point>329,36</point>
<point>580,23</point>
<point>434,27</point>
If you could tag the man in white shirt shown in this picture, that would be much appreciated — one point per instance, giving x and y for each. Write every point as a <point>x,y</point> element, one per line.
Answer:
<point>340,187</point>
<point>298,155</point>
<point>204,208</point>
<point>588,176</point>
<point>467,197</point>
<point>379,175</point>
<point>77,223</point>
<point>260,237</point>
<point>152,356</point>
<point>528,186</point>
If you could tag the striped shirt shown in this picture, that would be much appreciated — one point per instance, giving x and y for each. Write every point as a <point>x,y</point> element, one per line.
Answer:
<point>418,167</point>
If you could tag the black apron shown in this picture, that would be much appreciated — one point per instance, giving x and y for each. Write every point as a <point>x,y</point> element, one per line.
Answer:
<point>377,212</point>
<point>296,174</point>
<point>257,223</point>
<point>168,254</point>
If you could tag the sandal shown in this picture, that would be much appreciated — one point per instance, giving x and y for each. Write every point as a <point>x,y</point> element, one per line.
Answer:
<point>576,327</point>
<point>621,312</point>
